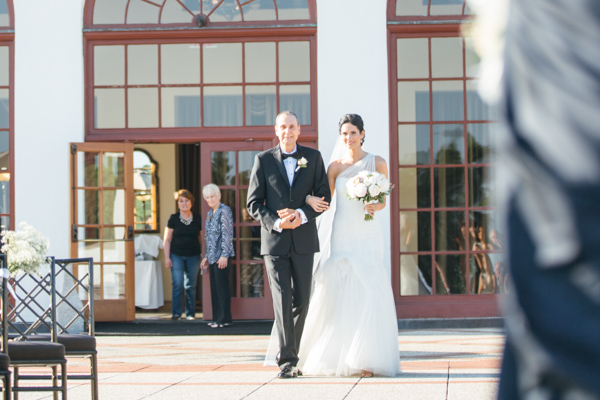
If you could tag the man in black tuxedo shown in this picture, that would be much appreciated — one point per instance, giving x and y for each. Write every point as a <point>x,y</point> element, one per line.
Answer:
<point>281,179</point>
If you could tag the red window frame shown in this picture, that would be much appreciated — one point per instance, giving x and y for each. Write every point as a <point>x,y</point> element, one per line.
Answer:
<point>7,37</point>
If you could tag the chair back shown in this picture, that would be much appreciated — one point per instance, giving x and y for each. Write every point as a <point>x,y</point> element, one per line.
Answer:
<point>73,290</point>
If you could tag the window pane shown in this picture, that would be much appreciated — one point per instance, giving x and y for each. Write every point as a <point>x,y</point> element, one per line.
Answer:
<point>174,13</point>
<point>114,281</point>
<point>411,7</point>
<point>294,61</point>
<point>84,249</point>
<point>410,284</point>
<point>228,198</point>
<point>259,10</point>
<point>260,62</point>
<point>4,16</point>
<point>413,101</point>
<point>292,9</point>
<point>448,144</point>
<point>223,168</point>
<point>117,232</point>
<point>449,230</point>
<point>297,99</point>
<point>261,105</point>
<point>109,108</point>
<point>481,187</point>
<point>180,63</point>
<point>109,65</point>
<point>114,207</point>
<point>113,169</point>
<point>88,207</point>
<point>413,144</point>
<point>4,63</point>
<point>477,109</point>
<point>4,151</point>
<point>4,109</point>
<point>481,142</point>
<point>5,193</point>
<point>415,231</point>
<point>415,184</point>
<point>483,275</point>
<point>192,5</point>
<point>223,106</point>
<point>446,7</point>
<point>222,62</point>
<point>228,11</point>
<point>472,60</point>
<point>114,251</point>
<point>252,280</point>
<point>246,160</point>
<point>142,107</point>
<point>142,65</point>
<point>180,107</point>
<point>449,187</point>
<point>412,58</point>
<point>141,12</point>
<point>109,11</point>
<point>451,271</point>
<point>448,102</point>
<point>446,57</point>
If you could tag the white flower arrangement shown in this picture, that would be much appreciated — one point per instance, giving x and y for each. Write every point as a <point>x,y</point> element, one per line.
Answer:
<point>301,164</point>
<point>368,187</point>
<point>26,249</point>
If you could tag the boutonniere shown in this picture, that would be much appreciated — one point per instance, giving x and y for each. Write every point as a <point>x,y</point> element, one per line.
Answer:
<point>301,164</point>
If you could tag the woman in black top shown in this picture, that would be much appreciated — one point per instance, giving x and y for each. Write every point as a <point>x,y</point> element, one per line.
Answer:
<point>182,254</point>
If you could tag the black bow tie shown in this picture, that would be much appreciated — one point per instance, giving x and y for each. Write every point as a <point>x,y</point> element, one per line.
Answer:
<point>293,155</point>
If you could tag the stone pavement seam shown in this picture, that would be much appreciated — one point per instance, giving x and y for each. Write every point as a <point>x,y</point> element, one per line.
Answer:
<point>258,388</point>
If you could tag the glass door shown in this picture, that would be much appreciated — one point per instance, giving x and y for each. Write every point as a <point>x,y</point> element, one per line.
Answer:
<point>102,223</point>
<point>228,165</point>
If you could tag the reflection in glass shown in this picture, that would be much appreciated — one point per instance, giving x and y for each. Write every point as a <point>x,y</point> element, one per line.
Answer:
<point>292,9</point>
<point>142,107</point>
<point>425,275</point>
<point>477,109</point>
<point>113,282</point>
<point>411,7</point>
<point>97,281</point>
<point>259,10</point>
<point>88,165</point>
<point>109,12</point>
<point>180,107</point>
<point>86,249</point>
<point>446,7</point>
<point>87,233</point>
<point>252,280</point>
<point>261,105</point>
<point>481,143</point>
<point>449,187</point>
<point>413,101</point>
<point>4,223</point>
<point>114,251</point>
<point>174,13</point>
<point>294,61</point>
<point>180,63</point>
<point>223,168</point>
<point>412,58</point>
<point>451,273</point>
<point>297,98</point>
<point>4,109</point>
<point>472,60</point>
<point>223,106</point>
<point>4,16</point>
<point>4,63</point>
<point>222,62</point>
<point>114,207</point>
<point>4,193</point>
<point>260,61</point>
<point>113,169</point>
<point>481,187</point>
<point>109,65</point>
<point>88,207</point>
<point>250,242</point>
<point>109,108</point>
<point>4,150</point>
<point>450,230</point>
<point>409,275</point>
<point>447,57</point>
<point>448,144</point>
<point>415,184</point>
<point>413,144</point>
<point>117,233</point>
<point>142,12</point>
<point>142,64</point>
<point>448,102</point>
<point>246,160</point>
<point>145,188</point>
<point>227,11</point>
<point>483,278</point>
<point>415,231</point>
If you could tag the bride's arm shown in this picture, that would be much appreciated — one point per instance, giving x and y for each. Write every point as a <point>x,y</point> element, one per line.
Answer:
<point>381,167</point>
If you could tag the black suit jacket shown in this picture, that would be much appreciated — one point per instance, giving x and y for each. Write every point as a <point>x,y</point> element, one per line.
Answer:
<point>269,191</point>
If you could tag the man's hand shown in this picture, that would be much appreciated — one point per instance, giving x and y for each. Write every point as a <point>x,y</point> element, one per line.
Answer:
<point>291,221</point>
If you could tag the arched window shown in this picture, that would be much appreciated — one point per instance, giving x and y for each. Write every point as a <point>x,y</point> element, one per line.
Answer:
<point>441,146</point>
<point>167,79</point>
<point>6,115</point>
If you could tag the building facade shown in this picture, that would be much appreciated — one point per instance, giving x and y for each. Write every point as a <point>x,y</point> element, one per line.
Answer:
<point>112,105</point>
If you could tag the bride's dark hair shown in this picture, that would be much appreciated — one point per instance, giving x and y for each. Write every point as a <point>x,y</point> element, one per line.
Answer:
<point>355,120</point>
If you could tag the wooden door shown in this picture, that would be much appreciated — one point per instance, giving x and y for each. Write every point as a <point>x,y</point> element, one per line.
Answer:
<point>102,223</point>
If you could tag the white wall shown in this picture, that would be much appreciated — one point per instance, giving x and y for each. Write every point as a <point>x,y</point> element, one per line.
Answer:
<point>352,76</point>
<point>48,113</point>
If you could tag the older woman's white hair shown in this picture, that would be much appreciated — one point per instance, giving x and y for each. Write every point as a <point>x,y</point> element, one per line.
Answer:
<point>211,188</point>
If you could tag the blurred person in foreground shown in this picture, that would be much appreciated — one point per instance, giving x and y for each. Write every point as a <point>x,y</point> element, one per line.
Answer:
<point>549,177</point>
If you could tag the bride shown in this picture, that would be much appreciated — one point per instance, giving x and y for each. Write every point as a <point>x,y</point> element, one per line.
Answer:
<point>351,327</point>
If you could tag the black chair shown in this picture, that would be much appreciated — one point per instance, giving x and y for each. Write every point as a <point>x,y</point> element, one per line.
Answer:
<point>5,375</point>
<point>18,329</point>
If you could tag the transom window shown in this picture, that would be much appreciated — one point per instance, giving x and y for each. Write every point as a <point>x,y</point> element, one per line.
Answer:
<point>429,8</point>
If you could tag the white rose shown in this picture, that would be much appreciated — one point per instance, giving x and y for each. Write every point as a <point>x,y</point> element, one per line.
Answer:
<point>363,174</point>
<point>350,191</point>
<point>374,190</point>
<point>384,186</point>
<point>360,190</point>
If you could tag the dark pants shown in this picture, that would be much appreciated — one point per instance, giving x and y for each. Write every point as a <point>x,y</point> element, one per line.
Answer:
<point>290,279</point>
<point>220,294</point>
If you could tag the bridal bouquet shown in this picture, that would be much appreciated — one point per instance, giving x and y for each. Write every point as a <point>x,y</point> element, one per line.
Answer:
<point>25,249</point>
<point>368,187</point>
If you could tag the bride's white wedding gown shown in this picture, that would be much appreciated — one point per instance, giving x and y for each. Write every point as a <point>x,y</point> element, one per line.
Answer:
<point>351,323</point>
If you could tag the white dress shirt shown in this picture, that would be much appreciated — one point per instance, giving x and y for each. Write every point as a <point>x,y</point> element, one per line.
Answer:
<point>290,165</point>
